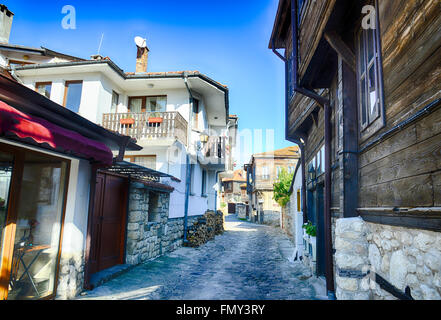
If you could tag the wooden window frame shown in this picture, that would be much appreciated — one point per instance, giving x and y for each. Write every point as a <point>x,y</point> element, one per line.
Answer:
<point>66,88</point>
<point>43,83</point>
<point>117,103</point>
<point>144,102</point>
<point>376,122</point>
<point>196,110</point>
<point>12,215</point>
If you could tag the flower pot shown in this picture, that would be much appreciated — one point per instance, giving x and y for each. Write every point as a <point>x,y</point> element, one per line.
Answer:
<point>127,121</point>
<point>156,120</point>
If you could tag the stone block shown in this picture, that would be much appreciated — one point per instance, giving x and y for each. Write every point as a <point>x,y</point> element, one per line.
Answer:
<point>424,241</point>
<point>432,259</point>
<point>348,284</point>
<point>429,293</point>
<point>398,269</point>
<point>375,257</point>
<point>348,261</point>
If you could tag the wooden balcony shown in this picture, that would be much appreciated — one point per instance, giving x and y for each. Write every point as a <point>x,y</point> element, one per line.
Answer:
<point>215,149</point>
<point>157,125</point>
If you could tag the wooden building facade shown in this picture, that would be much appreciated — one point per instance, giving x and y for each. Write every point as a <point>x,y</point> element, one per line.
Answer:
<point>363,97</point>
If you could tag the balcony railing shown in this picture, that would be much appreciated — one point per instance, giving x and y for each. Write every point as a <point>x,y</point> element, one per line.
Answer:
<point>215,149</point>
<point>155,125</point>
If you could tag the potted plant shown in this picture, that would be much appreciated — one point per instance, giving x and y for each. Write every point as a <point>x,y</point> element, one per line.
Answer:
<point>127,120</point>
<point>155,117</point>
<point>2,203</point>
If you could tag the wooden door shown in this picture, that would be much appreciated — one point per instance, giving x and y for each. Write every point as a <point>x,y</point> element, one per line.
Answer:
<point>108,222</point>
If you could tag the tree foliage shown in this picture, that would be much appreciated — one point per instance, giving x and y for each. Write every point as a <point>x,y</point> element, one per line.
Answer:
<point>281,188</point>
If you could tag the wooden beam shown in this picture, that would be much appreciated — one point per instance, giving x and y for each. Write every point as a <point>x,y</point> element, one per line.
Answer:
<point>431,222</point>
<point>336,42</point>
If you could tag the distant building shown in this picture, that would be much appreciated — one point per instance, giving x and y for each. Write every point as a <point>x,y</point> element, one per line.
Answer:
<point>262,172</point>
<point>231,190</point>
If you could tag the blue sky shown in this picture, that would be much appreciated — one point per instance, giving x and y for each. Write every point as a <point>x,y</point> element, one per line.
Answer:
<point>226,40</point>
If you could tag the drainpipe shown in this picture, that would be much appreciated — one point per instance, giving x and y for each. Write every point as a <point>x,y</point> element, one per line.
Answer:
<point>188,165</point>
<point>325,104</point>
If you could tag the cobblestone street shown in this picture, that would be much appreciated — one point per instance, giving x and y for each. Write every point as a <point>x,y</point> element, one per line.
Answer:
<point>248,262</point>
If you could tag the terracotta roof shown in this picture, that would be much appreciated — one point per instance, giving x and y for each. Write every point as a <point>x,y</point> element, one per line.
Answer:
<point>6,74</point>
<point>285,152</point>
<point>238,175</point>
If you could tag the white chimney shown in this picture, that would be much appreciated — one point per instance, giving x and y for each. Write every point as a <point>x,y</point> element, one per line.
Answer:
<point>6,17</point>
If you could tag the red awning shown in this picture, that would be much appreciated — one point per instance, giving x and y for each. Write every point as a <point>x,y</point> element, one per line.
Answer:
<point>42,131</point>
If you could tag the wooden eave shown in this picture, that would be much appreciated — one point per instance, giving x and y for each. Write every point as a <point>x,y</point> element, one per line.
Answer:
<point>281,25</point>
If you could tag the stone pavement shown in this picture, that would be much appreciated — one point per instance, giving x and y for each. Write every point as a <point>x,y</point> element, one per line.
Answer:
<point>248,262</point>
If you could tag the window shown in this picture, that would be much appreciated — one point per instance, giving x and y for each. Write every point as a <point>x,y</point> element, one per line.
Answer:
<point>321,161</point>
<point>44,88</point>
<point>115,102</point>
<point>299,201</point>
<point>144,161</point>
<point>72,95</point>
<point>264,173</point>
<point>368,66</point>
<point>204,183</point>
<point>147,104</point>
<point>195,114</point>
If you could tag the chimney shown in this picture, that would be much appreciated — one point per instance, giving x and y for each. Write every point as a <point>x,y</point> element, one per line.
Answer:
<point>142,57</point>
<point>6,17</point>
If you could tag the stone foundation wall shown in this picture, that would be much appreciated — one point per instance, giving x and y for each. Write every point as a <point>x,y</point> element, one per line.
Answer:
<point>71,276</point>
<point>147,239</point>
<point>404,257</point>
<point>351,260</point>
<point>205,228</point>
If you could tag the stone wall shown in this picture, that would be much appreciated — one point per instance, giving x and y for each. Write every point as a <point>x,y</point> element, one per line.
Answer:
<point>205,228</point>
<point>351,260</point>
<point>288,221</point>
<point>241,210</point>
<point>270,218</point>
<point>404,257</point>
<point>150,233</point>
<point>71,276</point>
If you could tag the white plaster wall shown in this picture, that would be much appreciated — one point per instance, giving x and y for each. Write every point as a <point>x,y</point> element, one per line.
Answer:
<point>211,192</point>
<point>298,215</point>
<point>77,208</point>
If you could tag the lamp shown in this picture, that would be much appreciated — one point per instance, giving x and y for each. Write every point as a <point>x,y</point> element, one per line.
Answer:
<point>204,137</point>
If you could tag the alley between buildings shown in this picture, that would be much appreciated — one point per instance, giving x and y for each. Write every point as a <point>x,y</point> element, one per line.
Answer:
<point>247,262</point>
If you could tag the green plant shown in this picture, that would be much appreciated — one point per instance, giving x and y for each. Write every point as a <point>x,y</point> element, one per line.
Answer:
<point>281,188</point>
<point>311,230</point>
<point>223,205</point>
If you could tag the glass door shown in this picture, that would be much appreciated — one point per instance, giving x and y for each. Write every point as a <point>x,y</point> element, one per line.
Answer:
<point>32,200</point>
<point>38,228</point>
<point>6,166</point>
